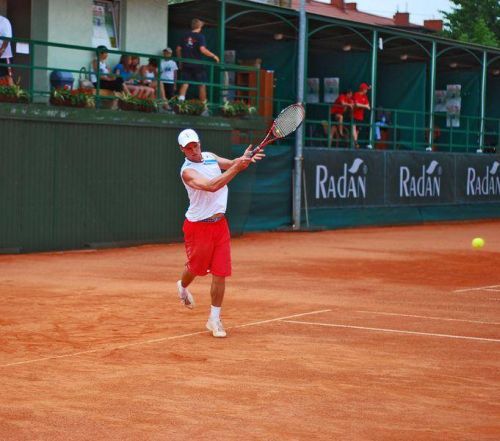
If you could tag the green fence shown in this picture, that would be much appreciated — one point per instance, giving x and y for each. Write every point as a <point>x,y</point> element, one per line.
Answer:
<point>406,125</point>
<point>35,74</point>
<point>402,130</point>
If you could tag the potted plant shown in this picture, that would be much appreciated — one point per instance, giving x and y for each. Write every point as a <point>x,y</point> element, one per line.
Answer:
<point>187,107</point>
<point>72,98</point>
<point>237,109</point>
<point>12,93</point>
<point>126,102</point>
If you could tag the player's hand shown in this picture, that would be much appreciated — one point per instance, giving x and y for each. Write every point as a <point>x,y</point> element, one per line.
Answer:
<point>216,58</point>
<point>258,155</point>
<point>242,162</point>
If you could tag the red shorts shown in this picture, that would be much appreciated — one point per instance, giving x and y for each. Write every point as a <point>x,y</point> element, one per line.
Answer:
<point>208,248</point>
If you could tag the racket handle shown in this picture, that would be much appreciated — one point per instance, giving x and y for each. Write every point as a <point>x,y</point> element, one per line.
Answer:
<point>256,150</point>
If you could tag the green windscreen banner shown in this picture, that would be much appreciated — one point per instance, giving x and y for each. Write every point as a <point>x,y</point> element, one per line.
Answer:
<point>419,179</point>
<point>343,179</point>
<point>478,178</point>
<point>350,178</point>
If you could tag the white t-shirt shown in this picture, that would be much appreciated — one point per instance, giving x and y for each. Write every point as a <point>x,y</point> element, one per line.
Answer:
<point>5,31</point>
<point>103,69</point>
<point>204,204</point>
<point>167,69</point>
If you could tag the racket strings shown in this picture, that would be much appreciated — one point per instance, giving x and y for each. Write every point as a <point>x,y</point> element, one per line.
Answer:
<point>288,121</point>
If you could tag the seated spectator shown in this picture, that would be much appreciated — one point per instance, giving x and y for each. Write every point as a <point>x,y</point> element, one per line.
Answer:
<point>107,80</point>
<point>382,123</point>
<point>149,75</point>
<point>122,69</point>
<point>135,61</point>
<point>361,103</point>
<point>342,106</point>
<point>168,73</point>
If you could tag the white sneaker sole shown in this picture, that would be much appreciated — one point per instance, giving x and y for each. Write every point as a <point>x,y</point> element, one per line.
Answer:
<point>190,300</point>
<point>215,332</point>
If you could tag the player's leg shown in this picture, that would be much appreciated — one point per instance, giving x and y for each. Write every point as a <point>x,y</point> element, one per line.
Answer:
<point>220,268</point>
<point>198,252</point>
<point>217,290</point>
<point>182,288</point>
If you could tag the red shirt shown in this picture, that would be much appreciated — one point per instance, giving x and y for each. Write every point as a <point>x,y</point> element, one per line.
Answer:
<point>359,98</point>
<point>337,107</point>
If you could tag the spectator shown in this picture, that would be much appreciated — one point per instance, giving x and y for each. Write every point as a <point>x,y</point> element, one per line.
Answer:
<point>360,104</point>
<point>149,75</point>
<point>194,46</point>
<point>123,70</point>
<point>107,81</point>
<point>340,107</point>
<point>382,123</point>
<point>5,50</point>
<point>168,73</point>
<point>135,61</point>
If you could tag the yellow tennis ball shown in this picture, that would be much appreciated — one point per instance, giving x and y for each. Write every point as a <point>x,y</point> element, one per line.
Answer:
<point>478,242</point>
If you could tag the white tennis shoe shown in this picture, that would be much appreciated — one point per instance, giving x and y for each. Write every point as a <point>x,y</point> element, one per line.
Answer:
<point>216,327</point>
<point>186,297</point>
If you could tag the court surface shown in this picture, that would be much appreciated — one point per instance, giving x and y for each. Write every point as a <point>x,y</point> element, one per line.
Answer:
<point>361,334</point>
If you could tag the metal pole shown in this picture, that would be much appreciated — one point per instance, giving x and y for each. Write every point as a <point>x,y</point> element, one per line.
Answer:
<point>374,86</point>
<point>32,72</point>
<point>431,94</point>
<point>222,49</point>
<point>299,136</point>
<point>483,98</point>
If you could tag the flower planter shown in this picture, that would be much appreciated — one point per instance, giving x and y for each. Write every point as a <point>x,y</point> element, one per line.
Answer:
<point>64,103</point>
<point>126,106</point>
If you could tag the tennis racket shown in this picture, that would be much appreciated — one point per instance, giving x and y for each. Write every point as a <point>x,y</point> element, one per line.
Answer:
<point>288,120</point>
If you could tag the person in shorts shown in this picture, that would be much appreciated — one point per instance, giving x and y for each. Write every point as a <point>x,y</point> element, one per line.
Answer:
<point>361,103</point>
<point>206,232</point>
<point>340,107</point>
<point>168,73</point>
<point>193,46</point>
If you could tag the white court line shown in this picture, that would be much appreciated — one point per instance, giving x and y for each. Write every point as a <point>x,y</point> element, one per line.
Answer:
<point>333,325</point>
<point>491,289</point>
<point>430,318</point>
<point>156,340</point>
<point>477,289</point>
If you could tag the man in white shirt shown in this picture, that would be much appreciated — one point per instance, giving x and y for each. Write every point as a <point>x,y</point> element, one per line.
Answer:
<point>206,233</point>
<point>5,49</point>
<point>168,73</point>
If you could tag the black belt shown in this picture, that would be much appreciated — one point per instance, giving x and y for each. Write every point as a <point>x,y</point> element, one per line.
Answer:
<point>212,219</point>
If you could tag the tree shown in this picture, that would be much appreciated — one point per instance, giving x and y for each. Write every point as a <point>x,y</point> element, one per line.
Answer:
<point>474,21</point>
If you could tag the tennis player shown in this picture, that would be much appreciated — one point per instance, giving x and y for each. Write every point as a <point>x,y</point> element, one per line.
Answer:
<point>206,232</point>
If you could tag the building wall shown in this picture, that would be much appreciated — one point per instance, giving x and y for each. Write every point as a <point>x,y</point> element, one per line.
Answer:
<point>146,23</point>
<point>143,29</point>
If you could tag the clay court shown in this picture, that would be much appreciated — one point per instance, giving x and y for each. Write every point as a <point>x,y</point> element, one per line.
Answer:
<point>361,334</point>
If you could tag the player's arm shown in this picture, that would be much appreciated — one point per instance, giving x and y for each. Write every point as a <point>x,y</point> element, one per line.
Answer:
<point>225,164</point>
<point>198,182</point>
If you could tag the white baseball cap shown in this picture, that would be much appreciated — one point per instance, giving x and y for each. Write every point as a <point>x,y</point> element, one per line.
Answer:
<point>187,136</point>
